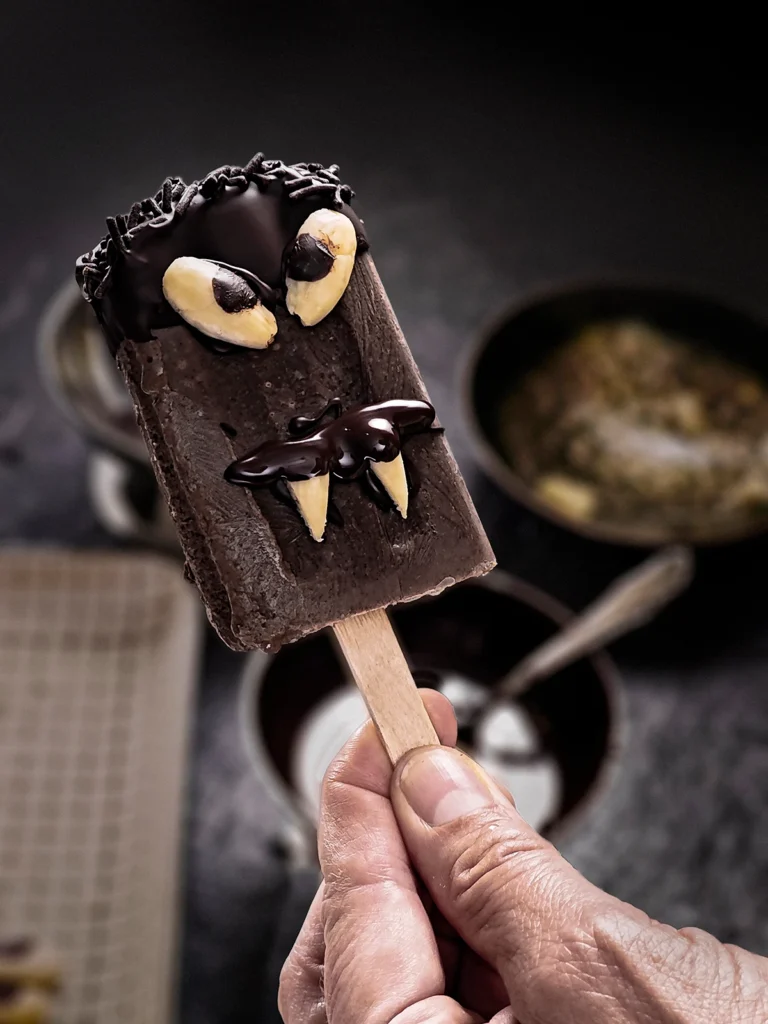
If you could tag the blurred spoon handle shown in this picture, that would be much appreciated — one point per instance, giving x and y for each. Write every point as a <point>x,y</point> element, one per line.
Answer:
<point>629,602</point>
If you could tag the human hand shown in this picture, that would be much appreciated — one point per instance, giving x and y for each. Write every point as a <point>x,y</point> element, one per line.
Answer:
<point>501,928</point>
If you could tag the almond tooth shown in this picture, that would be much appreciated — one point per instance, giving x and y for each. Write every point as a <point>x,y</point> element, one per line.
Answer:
<point>333,229</point>
<point>312,301</point>
<point>191,287</point>
<point>311,497</point>
<point>395,483</point>
<point>313,289</point>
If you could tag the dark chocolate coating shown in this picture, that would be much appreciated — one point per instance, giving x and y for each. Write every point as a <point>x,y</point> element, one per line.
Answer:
<point>309,259</point>
<point>343,447</point>
<point>242,217</point>
<point>265,582</point>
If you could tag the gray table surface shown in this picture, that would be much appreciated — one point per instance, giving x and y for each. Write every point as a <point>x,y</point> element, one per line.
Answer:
<point>484,174</point>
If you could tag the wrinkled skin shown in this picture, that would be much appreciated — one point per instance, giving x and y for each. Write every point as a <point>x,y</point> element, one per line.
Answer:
<point>501,928</point>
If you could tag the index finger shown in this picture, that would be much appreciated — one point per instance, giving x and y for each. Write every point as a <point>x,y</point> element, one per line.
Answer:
<point>380,951</point>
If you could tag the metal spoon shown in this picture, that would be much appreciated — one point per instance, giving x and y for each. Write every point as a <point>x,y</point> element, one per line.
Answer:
<point>629,602</point>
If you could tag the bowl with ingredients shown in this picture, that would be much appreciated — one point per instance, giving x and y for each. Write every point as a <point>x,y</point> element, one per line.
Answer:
<point>554,746</point>
<point>636,415</point>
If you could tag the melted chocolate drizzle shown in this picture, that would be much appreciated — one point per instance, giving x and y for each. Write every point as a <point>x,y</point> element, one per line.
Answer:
<point>237,277</point>
<point>299,426</point>
<point>309,260</point>
<point>244,218</point>
<point>345,446</point>
<point>233,293</point>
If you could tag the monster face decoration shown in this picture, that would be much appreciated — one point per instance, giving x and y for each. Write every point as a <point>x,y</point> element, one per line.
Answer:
<point>224,256</point>
<point>224,253</point>
<point>228,304</point>
<point>231,305</point>
<point>363,442</point>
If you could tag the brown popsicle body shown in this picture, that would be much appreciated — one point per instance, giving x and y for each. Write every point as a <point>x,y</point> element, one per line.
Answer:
<point>263,578</point>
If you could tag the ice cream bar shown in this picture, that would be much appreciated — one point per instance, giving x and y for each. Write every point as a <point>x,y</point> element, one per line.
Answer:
<point>305,469</point>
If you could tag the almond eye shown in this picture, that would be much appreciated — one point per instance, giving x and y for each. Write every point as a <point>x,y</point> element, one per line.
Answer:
<point>319,265</point>
<point>218,301</point>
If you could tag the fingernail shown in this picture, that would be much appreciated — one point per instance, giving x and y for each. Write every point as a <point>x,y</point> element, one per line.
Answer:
<point>442,784</point>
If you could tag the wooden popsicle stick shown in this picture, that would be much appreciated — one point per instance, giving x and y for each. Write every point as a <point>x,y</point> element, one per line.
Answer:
<point>382,675</point>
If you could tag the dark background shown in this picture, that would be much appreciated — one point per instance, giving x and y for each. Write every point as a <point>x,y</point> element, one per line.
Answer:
<point>492,159</point>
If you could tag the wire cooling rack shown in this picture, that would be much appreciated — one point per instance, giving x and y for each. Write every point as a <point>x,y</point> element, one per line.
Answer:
<point>98,656</point>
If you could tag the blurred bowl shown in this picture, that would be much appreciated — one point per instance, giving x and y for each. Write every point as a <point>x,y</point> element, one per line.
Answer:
<point>81,377</point>
<point>523,337</point>
<point>298,708</point>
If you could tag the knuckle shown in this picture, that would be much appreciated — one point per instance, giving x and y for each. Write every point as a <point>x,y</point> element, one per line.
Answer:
<point>493,861</point>
<point>654,964</point>
<point>300,980</point>
<point>738,978</point>
<point>342,886</point>
<point>287,987</point>
<point>636,948</point>
<point>441,1009</point>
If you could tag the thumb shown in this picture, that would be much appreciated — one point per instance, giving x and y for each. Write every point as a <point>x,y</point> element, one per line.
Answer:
<point>505,889</point>
<point>567,952</point>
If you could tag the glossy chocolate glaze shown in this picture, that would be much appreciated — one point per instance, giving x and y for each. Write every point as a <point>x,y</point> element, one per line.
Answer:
<point>244,217</point>
<point>232,292</point>
<point>309,260</point>
<point>344,446</point>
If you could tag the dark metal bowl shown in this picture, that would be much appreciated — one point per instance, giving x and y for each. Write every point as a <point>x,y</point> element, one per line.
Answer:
<point>524,336</point>
<point>478,630</point>
<point>81,377</point>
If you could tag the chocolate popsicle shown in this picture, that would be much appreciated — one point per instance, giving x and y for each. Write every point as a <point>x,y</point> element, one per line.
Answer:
<point>282,409</point>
